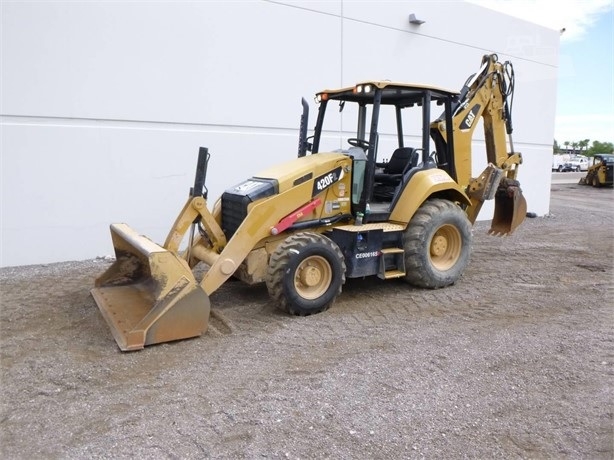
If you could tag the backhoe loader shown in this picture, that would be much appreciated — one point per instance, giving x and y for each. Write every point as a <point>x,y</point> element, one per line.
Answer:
<point>304,226</point>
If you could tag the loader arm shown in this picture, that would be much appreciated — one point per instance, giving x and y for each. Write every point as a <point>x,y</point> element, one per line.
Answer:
<point>195,208</point>
<point>150,295</point>
<point>257,225</point>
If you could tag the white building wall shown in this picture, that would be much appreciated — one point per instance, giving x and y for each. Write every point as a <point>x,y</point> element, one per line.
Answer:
<point>104,104</point>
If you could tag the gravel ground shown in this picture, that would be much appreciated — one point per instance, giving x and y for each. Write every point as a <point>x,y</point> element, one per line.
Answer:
<point>514,361</point>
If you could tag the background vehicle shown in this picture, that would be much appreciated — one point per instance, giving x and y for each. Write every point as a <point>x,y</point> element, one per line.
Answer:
<point>576,163</point>
<point>601,171</point>
<point>305,226</point>
<point>558,162</point>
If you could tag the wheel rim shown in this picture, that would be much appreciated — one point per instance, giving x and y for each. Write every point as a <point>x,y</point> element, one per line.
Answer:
<point>313,277</point>
<point>445,247</point>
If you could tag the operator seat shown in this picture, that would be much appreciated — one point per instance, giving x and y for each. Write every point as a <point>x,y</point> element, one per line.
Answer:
<point>402,159</point>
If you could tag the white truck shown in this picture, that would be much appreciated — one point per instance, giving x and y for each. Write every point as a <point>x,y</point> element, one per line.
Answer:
<point>566,162</point>
<point>558,161</point>
<point>577,163</point>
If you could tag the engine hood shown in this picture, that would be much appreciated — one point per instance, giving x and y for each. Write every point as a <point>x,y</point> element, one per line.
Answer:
<point>299,170</point>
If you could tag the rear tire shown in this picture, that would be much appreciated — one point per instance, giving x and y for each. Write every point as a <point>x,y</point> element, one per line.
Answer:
<point>306,274</point>
<point>437,244</point>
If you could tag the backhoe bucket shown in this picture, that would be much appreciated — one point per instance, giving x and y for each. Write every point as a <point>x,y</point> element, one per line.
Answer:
<point>149,295</point>
<point>510,208</point>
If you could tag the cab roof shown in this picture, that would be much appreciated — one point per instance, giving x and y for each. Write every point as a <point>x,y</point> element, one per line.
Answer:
<point>393,93</point>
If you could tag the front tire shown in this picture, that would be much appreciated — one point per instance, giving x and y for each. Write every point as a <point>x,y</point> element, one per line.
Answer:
<point>306,274</point>
<point>437,244</point>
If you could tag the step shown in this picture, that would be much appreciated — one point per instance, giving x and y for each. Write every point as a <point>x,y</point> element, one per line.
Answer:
<point>396,268</point>
<point>393,274</point>
<point>392,251</point>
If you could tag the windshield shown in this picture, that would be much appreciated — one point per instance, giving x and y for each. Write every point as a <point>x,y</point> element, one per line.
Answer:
<point>609,159</point>
<point>339,126</point>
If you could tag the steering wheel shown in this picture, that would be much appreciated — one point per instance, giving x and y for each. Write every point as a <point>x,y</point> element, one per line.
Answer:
<point>361,143</point>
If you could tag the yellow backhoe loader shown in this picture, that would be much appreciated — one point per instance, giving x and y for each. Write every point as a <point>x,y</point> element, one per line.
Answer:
<point>305,226</point>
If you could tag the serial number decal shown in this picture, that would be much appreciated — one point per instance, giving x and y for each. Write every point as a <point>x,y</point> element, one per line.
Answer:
<point>324,181</point>
<point>367,255</point>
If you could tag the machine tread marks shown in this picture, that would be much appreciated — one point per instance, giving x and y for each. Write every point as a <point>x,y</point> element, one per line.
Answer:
<point>306,273</point>
<point>437,244</point>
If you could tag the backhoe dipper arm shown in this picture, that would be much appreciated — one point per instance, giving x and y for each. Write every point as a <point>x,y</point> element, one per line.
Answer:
<point>488,95</point>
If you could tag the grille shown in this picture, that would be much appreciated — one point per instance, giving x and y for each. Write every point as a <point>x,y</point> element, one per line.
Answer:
<point>234,211</point>
<point>236,200</point>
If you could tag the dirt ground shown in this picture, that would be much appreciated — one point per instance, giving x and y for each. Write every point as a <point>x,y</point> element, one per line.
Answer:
<point>514,361</point>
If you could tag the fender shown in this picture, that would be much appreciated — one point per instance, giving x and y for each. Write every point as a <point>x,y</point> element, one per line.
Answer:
<point>421,186</point>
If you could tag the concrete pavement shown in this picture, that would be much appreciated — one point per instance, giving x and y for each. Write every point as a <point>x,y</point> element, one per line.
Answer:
<point>567,177</point>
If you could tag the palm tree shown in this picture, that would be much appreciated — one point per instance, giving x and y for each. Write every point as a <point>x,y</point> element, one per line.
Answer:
<point>566,144</point>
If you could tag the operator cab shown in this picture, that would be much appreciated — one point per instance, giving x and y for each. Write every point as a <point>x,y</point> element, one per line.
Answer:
<point>387,127</point>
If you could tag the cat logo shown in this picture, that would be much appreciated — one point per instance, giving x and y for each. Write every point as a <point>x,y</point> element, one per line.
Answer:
<point>467,122</point>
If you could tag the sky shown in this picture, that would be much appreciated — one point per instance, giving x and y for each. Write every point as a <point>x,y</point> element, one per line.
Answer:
<point>585,92</point>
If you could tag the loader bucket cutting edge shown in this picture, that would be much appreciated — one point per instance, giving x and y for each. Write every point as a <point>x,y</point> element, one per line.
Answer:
<point>149,295</point>
<point>510,211</point>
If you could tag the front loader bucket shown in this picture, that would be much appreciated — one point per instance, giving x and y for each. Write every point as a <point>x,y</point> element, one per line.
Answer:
<point>149,295</point>
<point>510,208</point>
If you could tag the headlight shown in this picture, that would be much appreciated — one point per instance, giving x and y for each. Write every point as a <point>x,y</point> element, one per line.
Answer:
<point>363,88</point>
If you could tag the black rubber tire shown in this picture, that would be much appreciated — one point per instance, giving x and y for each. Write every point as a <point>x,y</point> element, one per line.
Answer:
<point>437,220</point>
<point>291,259</point>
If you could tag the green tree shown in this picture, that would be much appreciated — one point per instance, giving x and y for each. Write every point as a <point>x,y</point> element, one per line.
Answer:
<point>600,147</point>
<point>583,144</point>
<point>556,147</point>
<point>566,144</point>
